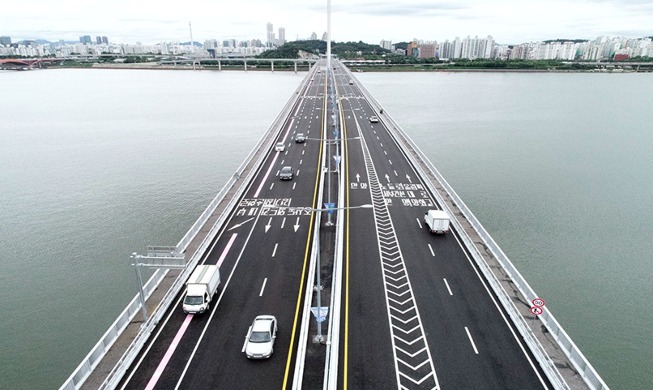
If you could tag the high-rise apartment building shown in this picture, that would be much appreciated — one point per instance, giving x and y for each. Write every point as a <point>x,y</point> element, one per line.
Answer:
<point>85,39</point>
<point>270,35</point>
<point>386,44</point>
<point>282,36</point>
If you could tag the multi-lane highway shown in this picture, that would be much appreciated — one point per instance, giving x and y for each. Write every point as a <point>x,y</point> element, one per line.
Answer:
<point>417,313</point>
<point>414,311</point>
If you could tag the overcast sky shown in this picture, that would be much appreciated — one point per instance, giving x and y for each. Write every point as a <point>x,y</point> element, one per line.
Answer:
<point>149,22</point>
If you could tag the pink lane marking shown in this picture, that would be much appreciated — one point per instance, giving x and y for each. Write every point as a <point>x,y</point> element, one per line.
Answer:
<point>226,249</point>
<point>168,355</point>
<point>182,330</point>
<point>274,160</point>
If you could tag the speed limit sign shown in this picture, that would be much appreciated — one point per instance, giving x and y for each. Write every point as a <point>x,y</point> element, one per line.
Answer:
<point>536,310</point>
<point>538,302</point>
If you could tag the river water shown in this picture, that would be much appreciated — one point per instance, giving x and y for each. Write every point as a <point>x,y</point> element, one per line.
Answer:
<point>97,164</point>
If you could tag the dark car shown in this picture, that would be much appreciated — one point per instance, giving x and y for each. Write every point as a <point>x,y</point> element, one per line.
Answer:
<point>286,173</point>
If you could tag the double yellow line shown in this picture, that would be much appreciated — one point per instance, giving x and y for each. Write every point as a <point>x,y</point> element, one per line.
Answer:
<point>306,253</point>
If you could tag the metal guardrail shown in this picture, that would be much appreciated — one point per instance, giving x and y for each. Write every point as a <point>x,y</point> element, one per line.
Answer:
<point>100,349</point>
<point>573,353</point>
<point>90,361</point>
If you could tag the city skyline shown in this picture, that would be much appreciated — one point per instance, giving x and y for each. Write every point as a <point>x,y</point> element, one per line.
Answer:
<point>507,21</point>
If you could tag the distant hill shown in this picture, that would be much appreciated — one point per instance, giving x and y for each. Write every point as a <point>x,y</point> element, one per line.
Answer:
<point>317,47</point>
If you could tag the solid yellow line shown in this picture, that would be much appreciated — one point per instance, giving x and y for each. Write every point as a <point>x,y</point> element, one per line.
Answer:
<point>306,251</point>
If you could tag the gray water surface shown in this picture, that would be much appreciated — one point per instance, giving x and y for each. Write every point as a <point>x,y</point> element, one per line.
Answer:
<point>96,164</point>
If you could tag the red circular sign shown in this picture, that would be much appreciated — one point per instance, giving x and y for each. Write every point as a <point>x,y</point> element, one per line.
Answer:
<point>537,310</point>
<point>539,302</point>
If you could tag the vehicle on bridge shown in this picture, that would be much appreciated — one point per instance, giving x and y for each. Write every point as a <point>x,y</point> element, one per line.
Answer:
<point>259,342</point>
<point>437,221</point>
<point>200,288</point>
<point>287,173</point>
<point>279,147</point>
<point>300,138</point>
<point>374,119</point>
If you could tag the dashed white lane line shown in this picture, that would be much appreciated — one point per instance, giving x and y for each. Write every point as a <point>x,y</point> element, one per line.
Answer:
<point>430,248</point>
<point>447,284</point>
<point>471,340</point>
<point>420,226</point>
<point>283,222</point>
<point>263,287</point>
<point>271,186</point>
<point>274,252</point>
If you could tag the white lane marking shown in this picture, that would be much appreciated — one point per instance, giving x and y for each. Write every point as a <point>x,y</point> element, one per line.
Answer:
<point>471,340</point>
<point>303,151</point>
<point>390,161</point>
<point>420,226</point>
<point>239,225</point>
<point>293,185</point>
<point>496,304</point>
<point>381,143</point>
<point>300,162</point>
<point>271,185</point>
<point>283,222</point>
<point>447,284</point>
<point>283,161</point>
<point>245,342</point>
<point>274,252</point>
<point>182,330</point>
<point>396,174</point>
<point>430,248</point>
<point>298,169</point>
<point>263,287</point>
<point>386,153</point>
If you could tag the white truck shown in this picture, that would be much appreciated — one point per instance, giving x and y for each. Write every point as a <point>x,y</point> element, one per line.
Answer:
<point>437,221</point>
<point>200,288</point>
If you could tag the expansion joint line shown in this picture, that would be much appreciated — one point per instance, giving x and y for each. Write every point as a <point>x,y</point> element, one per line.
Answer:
<point>413,362</point>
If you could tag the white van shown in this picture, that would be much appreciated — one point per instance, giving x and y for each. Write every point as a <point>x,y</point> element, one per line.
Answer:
<point>437,221</point>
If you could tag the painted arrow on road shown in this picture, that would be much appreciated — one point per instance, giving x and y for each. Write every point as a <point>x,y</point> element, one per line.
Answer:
<point>240,224</point>
<point>296,226</point>
<point>269,225</point>
<point>408,178</point>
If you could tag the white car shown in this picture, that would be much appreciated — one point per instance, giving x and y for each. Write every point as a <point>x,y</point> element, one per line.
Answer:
<point>374,119</point>
<point>259,342</point>
<point>280,147</point>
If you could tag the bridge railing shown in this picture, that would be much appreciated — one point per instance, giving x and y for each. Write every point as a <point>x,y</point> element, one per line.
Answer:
<point>573,353</point>
<point>90,361</point>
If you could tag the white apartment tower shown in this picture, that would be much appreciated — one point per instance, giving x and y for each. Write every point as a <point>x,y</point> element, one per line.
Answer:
<point>270,36</point>
<point>282,36</point>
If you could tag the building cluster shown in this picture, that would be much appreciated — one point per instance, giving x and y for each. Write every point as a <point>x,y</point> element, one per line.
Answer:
<point>101,45</point>
<point>601,48</point>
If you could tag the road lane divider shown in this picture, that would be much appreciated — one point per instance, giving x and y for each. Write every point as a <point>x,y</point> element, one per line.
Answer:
<point>471,340</point>
<point>184,326</point>
<point>263,287</point>
<point>447,284</point>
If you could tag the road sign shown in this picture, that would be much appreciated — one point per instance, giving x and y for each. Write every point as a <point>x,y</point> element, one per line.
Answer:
<point>538,302</point>
<point>329,206</point>
<point>537,310</point>
<point>320,316</point>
